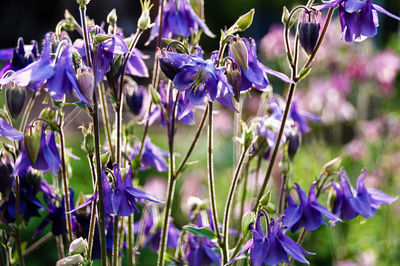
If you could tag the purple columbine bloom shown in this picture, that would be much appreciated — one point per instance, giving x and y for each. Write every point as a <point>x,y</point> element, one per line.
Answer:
<point>7,131</point>
<point>178,19</point>
<point>308,214</point>
<point>364,201</point>
<point>47,158</point>
<point>184,112</point>
<point>358,18</point>
<point>151,156</point>
<point>35,73</point>
<point>273,248</point>
<point>301,117</point>
<point>56,216</point>
<point>256,73</point>
<point>121,200</point>
<point>152,231</point>
<point>200,79</point>
<point>64,78</point>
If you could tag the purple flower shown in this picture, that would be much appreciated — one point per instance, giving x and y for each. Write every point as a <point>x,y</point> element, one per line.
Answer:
<point>300,117</point>
<point>151,156</point>
<point>200,79</point>
<point>364,201</point>
<point>273,248</point>
<point>56,216</point>
<point>7,131</point>
<point>256,73</point>
<point>121,200</point>
<point>358,18</point>
<point>308,214</point>
<point>64,78</point>
<point>35,73</point>
<point>47,158</point>
<point>178,19</point>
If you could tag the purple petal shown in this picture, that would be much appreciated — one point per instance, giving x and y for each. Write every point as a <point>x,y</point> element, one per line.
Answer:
<point>294,249</point>
<point>352,6</point>
<point>277,74</point>
<point>246,247</point>
<point>384,11</point>
<point>7,131</point>
<point>6,54</point>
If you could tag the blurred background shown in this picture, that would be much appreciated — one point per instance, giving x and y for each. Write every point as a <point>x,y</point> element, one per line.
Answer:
<point>355,90</point>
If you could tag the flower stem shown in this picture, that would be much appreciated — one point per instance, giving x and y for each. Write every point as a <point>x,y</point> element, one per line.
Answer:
<point>130,239</point>
<point>282,193</point>
<point>115,241</point>
<point>105,118</point>
<point>27,111</point>
<point>65,183</point>
<point>231,193</point>
<point>93,209</point>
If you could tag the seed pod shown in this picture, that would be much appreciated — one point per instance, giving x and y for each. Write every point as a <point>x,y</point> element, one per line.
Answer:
<point>240,53</point>
<point>15,97</point>
<point>233,74</point>
<point>245,20</point>
<point>77,246</point>
<point>309,30</point>
<point>32,142</point>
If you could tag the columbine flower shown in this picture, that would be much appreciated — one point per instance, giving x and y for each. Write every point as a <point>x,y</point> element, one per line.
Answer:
<point>256,73</point>
<point>47,158</point>
<point>7,131</point>
<point>151,156</point>
<point>178,19</point>
<point>273,248</point>
<point>198,78</point>
<point>300,117</point>
<point>308,214</point>
<point>358,18</point>
<point>121,200</point>
<point>364,201</point>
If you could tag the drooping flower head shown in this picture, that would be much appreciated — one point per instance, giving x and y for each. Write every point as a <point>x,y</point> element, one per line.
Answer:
<point>151,156</point>
<point>308,213</point>
<point>358,18</point>
<point>350,203</point>
<point>178,19</point>
<point>121,200</point>
<point>274,247</point>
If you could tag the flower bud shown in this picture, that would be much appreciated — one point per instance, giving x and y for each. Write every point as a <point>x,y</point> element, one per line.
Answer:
<point>15,97</point>
<point>69,21</point>
<point>86,82</point>
<point>155,96</point>
<point>112,17</point>
<point>309,30</point>
<point>83,2</point>
<point>70,260</point>
<point>332,166</point>
<point>245,21</point>
<point>239,51</point>
<point>6,179</point>
<point>248,218</point>
<point>77,246</point>
<point>144,21</point>
<point>88,140</point>
<point>233,74</point>
<point>265,199</point>
<point>32,142</point>
<point>48,114</point>
<point>294,142</point>
<point>134,97</point>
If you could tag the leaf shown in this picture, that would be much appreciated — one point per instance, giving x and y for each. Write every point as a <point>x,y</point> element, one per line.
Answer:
<point>200,231</point>
<point>304,73</point>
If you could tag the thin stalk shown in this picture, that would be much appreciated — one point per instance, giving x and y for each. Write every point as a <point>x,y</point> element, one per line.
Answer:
<point>27,111</point>
<point>282,194</point>
<point>130,240</point>
<point>231,193</point>
<point>106,120</point>
<point>171,183</point>
<point>60,246</point>
<point>18,241</point>
<point>211,188</point>
<point>65,184</point>
<point>244,192</point>
<point>38,244</point>
<point>194,142</point>
<point>115,241</point>
<point>121,235</point>
<point>82,11</point>
<point>93,209</point>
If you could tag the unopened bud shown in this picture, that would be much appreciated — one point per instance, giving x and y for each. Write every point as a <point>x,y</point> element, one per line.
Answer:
<point>70,260</point>
<point>333,165</point>
<point>155,96</point>
<point>239,51</point>
<point>88,140</point>
<point>294,142</point>
<point>48,114</point>
<point>32,142</point>
<point>234,76</point>
<point>6,179</point>
<point>86,82</point>
<point>245,20</point>
<point>265,199</point>
<point>15,97</point>
<point>112,17</point>
<point>77,246</point>
<point>83,2</point>
<point>144,21</point>
<point>309,30</point>
<point>134,97</point>
<point>248,218</point>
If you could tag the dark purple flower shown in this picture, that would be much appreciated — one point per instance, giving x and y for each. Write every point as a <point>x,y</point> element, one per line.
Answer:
<point>35,73</point>
<point>350,203</point>
<point>64,78</point>
<point>6,177</point>
<point>178,19</point>
<point>256,73</point>
<point>308,214</point>
<point>56,216</point>
<point>121,200</point>
<point>358,18</point>
<point>151,156</point>
<point>273,248</point>
<point>47,158</point>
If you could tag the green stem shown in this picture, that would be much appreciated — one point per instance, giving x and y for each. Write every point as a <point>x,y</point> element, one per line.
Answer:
<point>18,241</point>
<point>232,191</point>
<point>27,111</point>
<point>244,192</point>
<point>115,241</point>
<point>93,209</point>
<point>130,240</point>
<point>106,120</point>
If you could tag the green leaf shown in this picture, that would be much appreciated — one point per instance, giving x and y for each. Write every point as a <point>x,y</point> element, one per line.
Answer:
<point>200,231</point>
<point>304,73</point>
